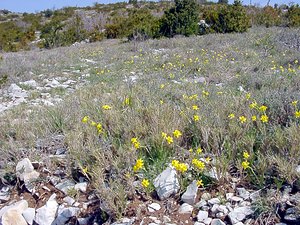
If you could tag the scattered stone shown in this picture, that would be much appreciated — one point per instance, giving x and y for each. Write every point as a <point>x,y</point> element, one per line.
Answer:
<point>4,194</point>
<point>255,196</point>
<point>239,214</point>
<point>217,222</point>
<point>65,186</point>
<point>202,216</point>
<point>185,209</point>
<point>207,221</point>
<point>166,183</point>
<point>81,186</point>
<point>236,199</point>
<point>70,201</point>
<point>25,172</point>
<point>64,214</point>
<point>200,204</point>
<point>243,193</point>
<point>239,223</point>
<point>223,209</point>
<point>214,201</point>
<point>229,196</point>
<point>198,223</point>
<point>54,180</point>
<point>190,194</point>
<point>30,83</point>
<point>154,207</point>
<point>46,214</point>
<point>29,215</point>
<point>206,196</point>
<point>292,215</point>
<point>215,208</point>
<point>12,214</point>
<point>298,169</point>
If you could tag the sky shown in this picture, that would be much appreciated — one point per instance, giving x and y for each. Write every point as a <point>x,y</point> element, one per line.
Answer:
<point>39,5</point>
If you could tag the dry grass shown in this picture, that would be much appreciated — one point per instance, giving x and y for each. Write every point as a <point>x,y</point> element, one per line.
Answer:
<point>161,100</point>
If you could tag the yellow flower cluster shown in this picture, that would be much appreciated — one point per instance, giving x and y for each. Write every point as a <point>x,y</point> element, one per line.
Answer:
<point>177,133</point>
<point>138,165</point>
<point>145,183</point>
<point>135,142</point>
<point>106,107</point>
<point>198,164</point>
<point>245,163</point>
<point>98,126</point>
<point>181,167</point>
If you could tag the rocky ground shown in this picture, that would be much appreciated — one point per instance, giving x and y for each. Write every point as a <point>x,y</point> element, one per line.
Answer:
<point>44,196</point>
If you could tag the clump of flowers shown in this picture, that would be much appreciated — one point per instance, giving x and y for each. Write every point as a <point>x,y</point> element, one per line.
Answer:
<point>177,133</point>
<point>85,119</point>
<point>242,119</point>
<point>231,116</point>
<point>135,142</point>
<point>181,167</point>
<point>138,165</point>
<point>145,183</point>
<point>198,164</point>
<point>245,163</point>
<point>264,118</point>
<point>106,107</point>
<point>196,118</point>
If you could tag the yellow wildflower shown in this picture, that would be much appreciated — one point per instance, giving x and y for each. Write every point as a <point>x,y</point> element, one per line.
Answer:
<point>135,142</point>
<point>245,164</point>
<point>162,86</point>
<point>195,107</point>
<point>93,123</point>
<point>145,183</point>
<point>138,165</point>
<point>199,150</point>
<point>199,183</point>
<point>196,118</point>
<point>99,128</point>
<point>191,150</point>
<point>294,103</point>
<point>161,102</point>
<point>253,118</point>
<point>297,114</point>
<point>205,93</point>
<point>85,119</point>
<point>248,96</point>
<point>169,139</point>
<point>253,105</point>
<point>177,133</point>
<point>246,155</point>
<point>242,119</point>
<point>207,159</point>
<point>263,108</point>
<point>126,101</point>
<point>106,107</point>
<point>175,163</point>
<point>182,167</point>
<point>231,116</point>
<point>164,135</point>
<point>198,164</point>
<point>264,118</point>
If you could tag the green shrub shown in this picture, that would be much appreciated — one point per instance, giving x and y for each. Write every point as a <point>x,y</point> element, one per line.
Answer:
<point>180,19</point>
<point>268,17</point>
<point>293,16</point>
<point>227,18</point>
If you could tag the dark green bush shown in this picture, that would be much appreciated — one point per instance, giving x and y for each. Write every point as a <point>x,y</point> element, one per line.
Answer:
<point>227,18</point>
<point>181,19</point>
<point>293,16</point>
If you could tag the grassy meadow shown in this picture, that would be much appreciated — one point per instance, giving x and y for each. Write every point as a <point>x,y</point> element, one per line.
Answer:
<point>223,102</point>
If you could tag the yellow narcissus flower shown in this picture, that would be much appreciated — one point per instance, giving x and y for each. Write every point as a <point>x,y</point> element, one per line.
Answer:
<point>99,128</point>
<point>242,119</point>
<point>199,150</point>
<point>263,108</point>
<point>198,164</point>
<point>106,107</point>
<point>169,139</point>
<point>205,93</point>
<point>195,107</point>
<point>177,133</point>
<point>163,134</point>
<point>138,165</point>
<point>253,118</point>
<point>196,118</point>
<point>297,114</point>
<point>199,183</point>
<point>93,123</point>
<point>145,183</point>
<point>245,164</point>
<point>135,142</point>
<point>126,101</point>
<point>246,155</point>
<point>248,96</point>
<point>253,105</point>
<point>231,116</point>
<point>85,119</point>
<point>294,103</point>
<point>264,118</point>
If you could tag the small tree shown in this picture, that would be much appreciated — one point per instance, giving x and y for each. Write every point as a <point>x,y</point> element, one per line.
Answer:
<point>181,19</point>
